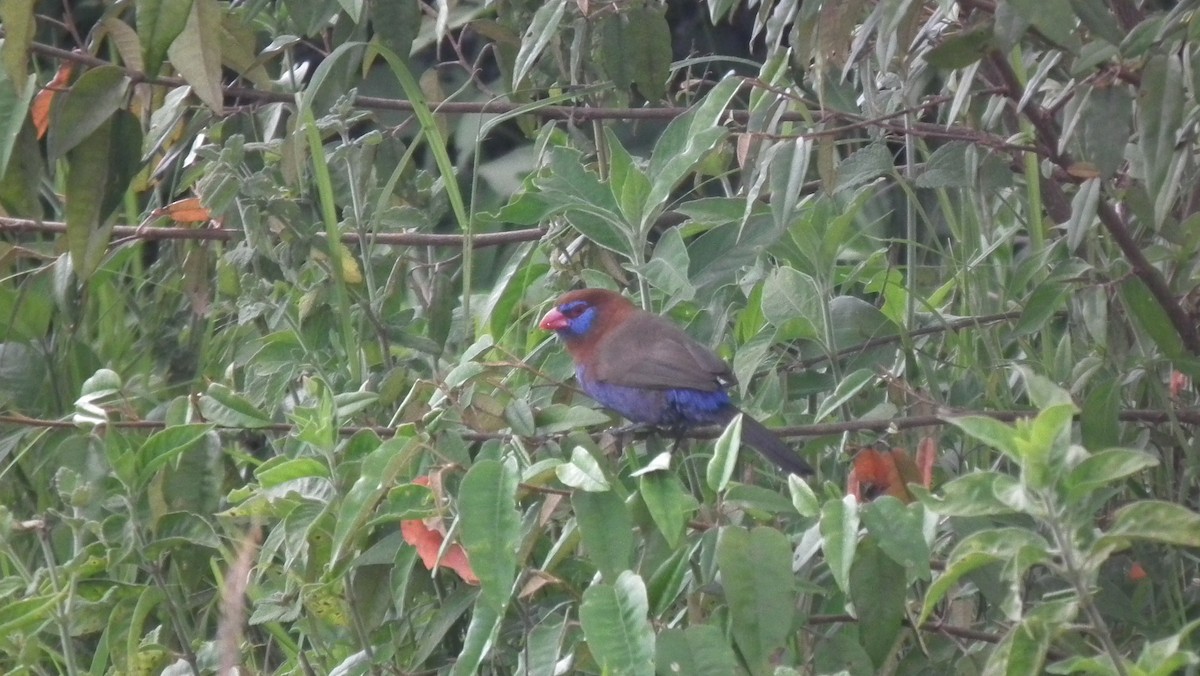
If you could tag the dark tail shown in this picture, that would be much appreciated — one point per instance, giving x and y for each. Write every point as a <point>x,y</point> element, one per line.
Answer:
<point>772,447</point>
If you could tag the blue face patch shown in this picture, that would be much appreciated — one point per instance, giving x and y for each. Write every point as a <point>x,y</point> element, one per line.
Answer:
<point>580,314</point>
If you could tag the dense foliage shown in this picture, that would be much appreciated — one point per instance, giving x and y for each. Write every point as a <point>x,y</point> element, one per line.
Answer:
<point>272,274</point>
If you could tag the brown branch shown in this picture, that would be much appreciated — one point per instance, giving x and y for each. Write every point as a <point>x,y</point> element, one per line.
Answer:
<point>23,225</point>
<point>577,113</point>
<point>1184,416</point>
<point>955,325</point>
<point>935,627</point>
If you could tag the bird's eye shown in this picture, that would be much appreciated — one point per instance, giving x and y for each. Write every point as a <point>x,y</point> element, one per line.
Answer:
<point>572,311</point>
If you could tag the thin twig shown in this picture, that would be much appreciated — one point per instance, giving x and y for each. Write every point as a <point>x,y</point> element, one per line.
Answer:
<point>954,325</point>
<point>1183,416</point>
<point>575,113</point>
<point>933,626</point>
<point>25,225</point>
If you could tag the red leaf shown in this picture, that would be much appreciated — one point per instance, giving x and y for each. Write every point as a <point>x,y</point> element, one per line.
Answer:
<point>428,542</point>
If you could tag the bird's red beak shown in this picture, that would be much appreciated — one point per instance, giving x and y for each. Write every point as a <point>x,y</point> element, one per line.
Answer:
<point>554,321</point>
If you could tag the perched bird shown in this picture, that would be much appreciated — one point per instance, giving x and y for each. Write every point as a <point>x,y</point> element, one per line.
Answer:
<point>648,370</point>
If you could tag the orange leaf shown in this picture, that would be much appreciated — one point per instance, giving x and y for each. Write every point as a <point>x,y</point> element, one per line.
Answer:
<point>40,110</point>
<point>186,210</point>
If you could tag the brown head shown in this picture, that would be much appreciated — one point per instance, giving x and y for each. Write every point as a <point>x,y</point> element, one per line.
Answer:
<point>582,317</point>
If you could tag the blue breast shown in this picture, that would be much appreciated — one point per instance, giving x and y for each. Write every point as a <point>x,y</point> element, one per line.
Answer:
<point>666,408</point>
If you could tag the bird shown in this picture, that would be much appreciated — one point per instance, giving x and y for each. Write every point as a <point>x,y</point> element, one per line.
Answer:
<point>647,369</point>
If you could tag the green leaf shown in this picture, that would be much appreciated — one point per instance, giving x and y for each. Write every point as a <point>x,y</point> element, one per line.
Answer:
<point>226,408</point>
<point>846,389</point>
<point>196,53</point>
<point>1098,18</point>
<point>353,8</point>
<point>686,140</point>
<point>1043,303</point>
<point>1104,468</point>
<point>1098,419</point>
<point>168,444</point>
<point>14,105</point>
<point>947,167</point>
<point>668,503</point>
<point>980,494</point>
<point>725,455</point>
<point>1161,101</point>
<point>1156,521</point>
<point>962,48</point>
<point>126,41</point>
<point>27,614</point>
<point>481,634</point>
<point>792,299</point>
<point>102,383</point>
<point>100,170</point>
<point>839,537</point>
<point>757,499</point>
<point>542,28</point>
<point>491,527</point>
<point>80,111</point>
<point>864,165</point>
<point>279,470</point>
<point>396,25</point>
<point>756,573</point>
<point>19,29</point>
<point>667,268</point>
<point>607,531</point>
<point>544,646</point>
<point>699,650</point>
<point>1164,657</point>
<point>669,581</point>
<point>990,431</point>
<point>1107,113</point>
<point>558,418</point>
<point>406,501</point>
<point>1055,20</point>
<point>1017,548</point>
<point>803,498</point>
<point>583,472</point>
<point>628,183</point>
<point>899,531</point>
<point>1045,393</point>
<point>378,474</point>
<point>1151,317</point>
<point>878,589</point>
<point>635,49</point>
<point>615,623</point>
<point>587,203</point>
<point>159,22</point>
